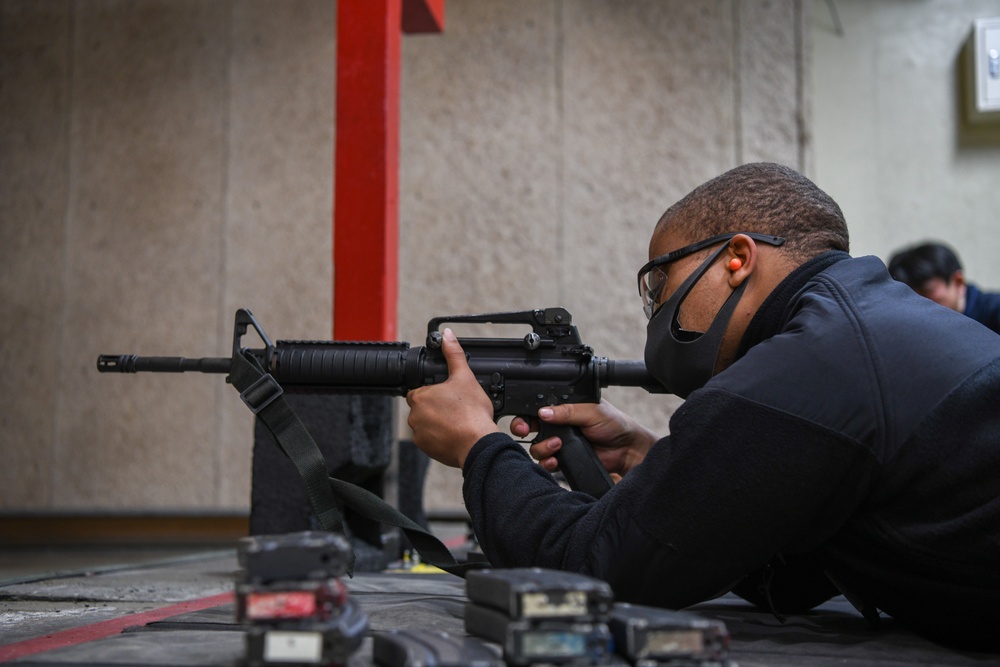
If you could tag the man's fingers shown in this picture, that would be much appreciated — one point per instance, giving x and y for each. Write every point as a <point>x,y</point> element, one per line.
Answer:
<point>454,355</point>
<point>521,427</point>
<point>544,449</point>
<point>566,413</point>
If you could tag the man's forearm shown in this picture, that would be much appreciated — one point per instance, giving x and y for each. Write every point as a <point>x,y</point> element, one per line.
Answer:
<point>520,514</point>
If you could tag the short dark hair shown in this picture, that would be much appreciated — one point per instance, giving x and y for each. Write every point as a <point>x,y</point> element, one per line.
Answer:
<point>767,198</point>
<point>918,264</point>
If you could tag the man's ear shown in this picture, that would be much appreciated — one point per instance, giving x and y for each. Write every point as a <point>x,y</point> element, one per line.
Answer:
<point>741,259</point>
<point>957,278</point>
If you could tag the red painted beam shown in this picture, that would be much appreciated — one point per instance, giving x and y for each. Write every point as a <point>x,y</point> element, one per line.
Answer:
<point>423,16</point>
<point>366,188</point>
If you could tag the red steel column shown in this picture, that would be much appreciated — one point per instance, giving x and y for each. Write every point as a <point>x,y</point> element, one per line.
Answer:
<point>366,190</point>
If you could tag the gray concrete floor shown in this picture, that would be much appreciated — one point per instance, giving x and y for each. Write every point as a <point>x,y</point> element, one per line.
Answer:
<point>46,593</point>
<point>22,562</point>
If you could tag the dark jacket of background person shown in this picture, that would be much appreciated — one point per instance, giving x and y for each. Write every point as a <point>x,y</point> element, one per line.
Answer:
<point>982,306</point>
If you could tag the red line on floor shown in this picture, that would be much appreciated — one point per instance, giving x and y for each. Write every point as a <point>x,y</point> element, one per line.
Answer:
<point>103,629</point>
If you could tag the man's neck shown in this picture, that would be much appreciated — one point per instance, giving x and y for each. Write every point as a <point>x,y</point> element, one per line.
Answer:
<point>770,317</point>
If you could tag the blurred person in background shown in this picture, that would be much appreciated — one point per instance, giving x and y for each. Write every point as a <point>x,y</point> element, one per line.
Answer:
<point>934,271</point>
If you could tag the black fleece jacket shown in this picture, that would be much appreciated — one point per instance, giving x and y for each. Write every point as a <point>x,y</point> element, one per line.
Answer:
<point>859,433</point>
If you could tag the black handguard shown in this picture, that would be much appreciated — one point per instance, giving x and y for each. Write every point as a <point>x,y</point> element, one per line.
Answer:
<point>548,366</point>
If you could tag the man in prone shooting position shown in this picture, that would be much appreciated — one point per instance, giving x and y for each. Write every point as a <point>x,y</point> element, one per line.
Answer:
<point>826,445</point>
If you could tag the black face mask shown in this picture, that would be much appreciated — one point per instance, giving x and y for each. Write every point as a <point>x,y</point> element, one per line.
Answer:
<point>685,360</point>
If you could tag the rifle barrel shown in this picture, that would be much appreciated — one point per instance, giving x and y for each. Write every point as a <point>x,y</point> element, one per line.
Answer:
<point>131,363</point>
<point>628,373</point>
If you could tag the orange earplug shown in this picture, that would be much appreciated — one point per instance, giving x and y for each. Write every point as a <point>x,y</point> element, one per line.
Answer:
<point>735,263</point>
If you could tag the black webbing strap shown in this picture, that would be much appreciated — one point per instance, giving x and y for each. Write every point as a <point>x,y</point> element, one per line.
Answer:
<point>264,396</point>
<point>430,548</point>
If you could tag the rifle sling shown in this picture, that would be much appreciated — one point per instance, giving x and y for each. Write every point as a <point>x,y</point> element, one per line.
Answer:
<point>265,398</point>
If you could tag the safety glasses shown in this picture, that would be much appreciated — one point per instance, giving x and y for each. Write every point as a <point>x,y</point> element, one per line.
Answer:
<point>652,276</point>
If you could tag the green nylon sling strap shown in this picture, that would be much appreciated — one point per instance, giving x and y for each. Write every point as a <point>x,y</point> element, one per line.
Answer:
<point>264,396</point>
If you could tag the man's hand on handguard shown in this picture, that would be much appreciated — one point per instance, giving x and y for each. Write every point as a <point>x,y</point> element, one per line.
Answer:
<point>620,442</point>
<point>447,419</point>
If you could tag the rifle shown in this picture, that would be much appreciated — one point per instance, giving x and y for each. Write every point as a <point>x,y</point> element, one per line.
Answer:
<point>548,366</point>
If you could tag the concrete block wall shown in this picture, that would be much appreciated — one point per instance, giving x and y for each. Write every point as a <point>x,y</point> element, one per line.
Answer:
<point>163,162</point>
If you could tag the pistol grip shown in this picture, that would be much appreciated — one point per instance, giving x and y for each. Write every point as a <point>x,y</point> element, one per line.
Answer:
<point>578,461</point>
